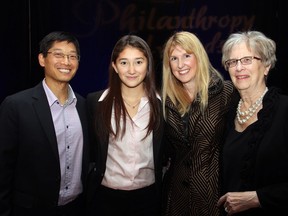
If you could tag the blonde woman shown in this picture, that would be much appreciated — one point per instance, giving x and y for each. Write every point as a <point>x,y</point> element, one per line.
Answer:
<point>195,102</point>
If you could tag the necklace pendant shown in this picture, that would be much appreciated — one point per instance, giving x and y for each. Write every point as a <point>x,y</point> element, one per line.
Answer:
<point>133,106</point>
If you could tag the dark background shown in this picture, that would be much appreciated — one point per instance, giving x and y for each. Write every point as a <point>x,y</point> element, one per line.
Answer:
<point>98,24</point>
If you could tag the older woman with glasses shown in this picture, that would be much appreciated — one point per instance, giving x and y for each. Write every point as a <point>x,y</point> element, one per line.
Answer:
<point>255,153</point>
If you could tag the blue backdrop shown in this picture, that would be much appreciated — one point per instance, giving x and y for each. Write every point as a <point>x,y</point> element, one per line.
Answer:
<point>98,24</point>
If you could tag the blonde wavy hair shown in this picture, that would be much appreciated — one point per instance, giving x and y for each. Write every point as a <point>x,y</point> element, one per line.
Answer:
<point>172,87</point>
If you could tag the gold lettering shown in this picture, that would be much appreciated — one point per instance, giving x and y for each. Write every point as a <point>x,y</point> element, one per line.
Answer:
<point>213,45</point>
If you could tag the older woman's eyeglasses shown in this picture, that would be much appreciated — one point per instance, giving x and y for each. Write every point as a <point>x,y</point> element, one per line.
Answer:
<point>244,61</point>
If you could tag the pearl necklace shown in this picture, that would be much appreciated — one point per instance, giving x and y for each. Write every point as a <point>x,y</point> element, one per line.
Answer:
<point>243,117</point>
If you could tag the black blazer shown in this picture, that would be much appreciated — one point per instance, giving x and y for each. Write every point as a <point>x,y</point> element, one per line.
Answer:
<point>100,143</point>
<point>29,161</point>
<point>265,164</point>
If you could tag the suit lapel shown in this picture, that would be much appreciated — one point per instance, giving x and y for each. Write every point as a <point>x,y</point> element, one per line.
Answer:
<point>43,112</point>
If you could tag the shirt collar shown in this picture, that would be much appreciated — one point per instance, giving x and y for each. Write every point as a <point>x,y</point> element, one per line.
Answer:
<point>53,99</point>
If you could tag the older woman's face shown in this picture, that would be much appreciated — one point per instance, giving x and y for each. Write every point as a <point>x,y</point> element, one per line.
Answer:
<point>247,75</point>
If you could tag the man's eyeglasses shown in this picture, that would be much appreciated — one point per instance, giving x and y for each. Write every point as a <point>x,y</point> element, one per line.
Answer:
<point>244,61</point>
<point>60,55</point>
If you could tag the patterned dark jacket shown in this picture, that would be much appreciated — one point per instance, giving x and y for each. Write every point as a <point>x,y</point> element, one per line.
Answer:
<point>193,144</point>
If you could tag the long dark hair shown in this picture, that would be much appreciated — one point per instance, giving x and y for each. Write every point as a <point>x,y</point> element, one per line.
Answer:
<point>114,96</point>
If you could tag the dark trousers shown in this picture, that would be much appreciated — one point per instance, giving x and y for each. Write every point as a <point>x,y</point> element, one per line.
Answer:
<point>74,208</point>
<point>140,202</point>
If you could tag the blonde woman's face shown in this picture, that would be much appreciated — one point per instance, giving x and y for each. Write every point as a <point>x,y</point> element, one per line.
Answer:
<point>183,65</point>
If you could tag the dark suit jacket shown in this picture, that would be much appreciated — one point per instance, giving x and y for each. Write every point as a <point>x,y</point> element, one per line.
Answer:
<point>101,144</point>
<point>29,161</point>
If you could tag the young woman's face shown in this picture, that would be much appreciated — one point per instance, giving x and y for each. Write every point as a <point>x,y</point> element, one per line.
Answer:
<point>131,66</point>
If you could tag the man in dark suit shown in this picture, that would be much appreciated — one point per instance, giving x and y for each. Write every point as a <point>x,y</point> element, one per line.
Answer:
<point>44,140</point>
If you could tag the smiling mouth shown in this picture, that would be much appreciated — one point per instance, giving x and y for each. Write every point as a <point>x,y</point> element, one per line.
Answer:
<point>64,70</point>
<point>242,77</point>
<point>183,71</point>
